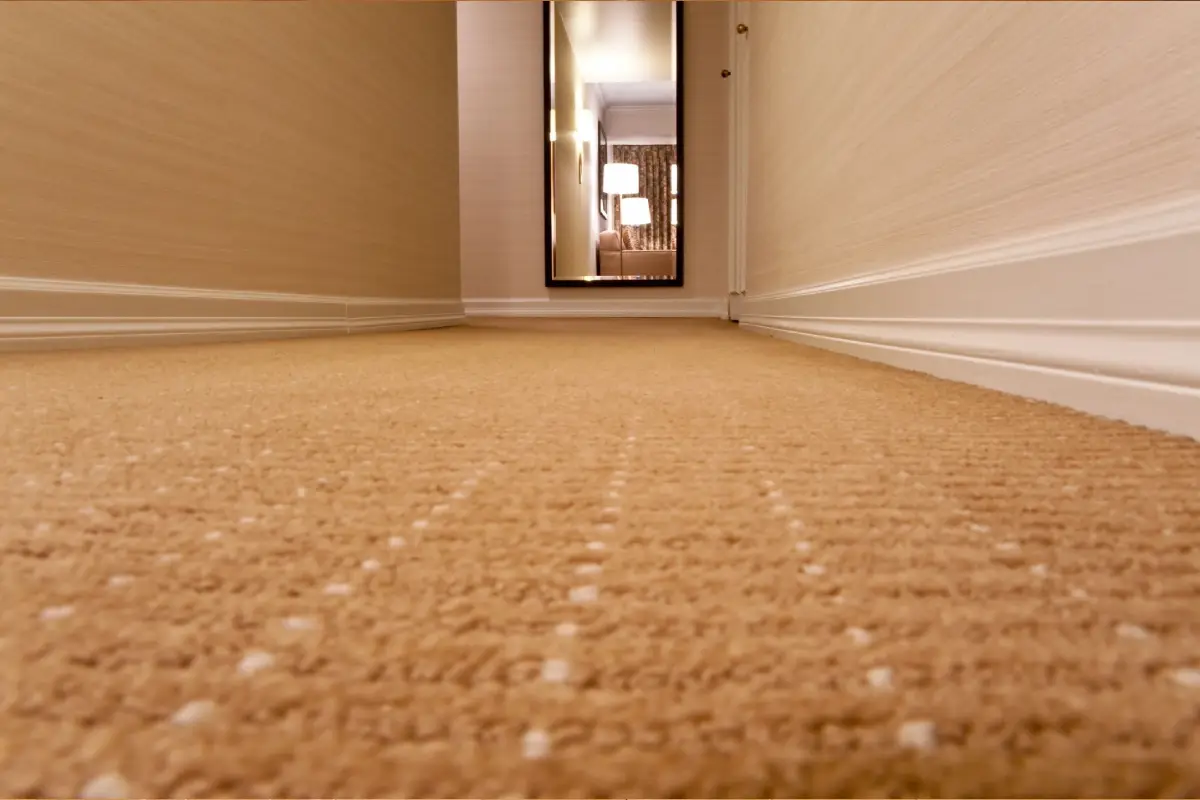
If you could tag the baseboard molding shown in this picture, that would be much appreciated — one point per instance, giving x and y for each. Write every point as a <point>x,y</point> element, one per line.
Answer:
<point>1106,324</point>
<point>377,315</point>
<point>37,314</point>
<point>736,301</point>
<point>712,308</point>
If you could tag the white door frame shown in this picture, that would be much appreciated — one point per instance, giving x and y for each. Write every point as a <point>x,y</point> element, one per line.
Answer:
<point>739,161</point>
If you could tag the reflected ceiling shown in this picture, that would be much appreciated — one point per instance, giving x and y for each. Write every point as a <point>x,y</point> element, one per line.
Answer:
<point>621,42</point>
<point>650,93</point>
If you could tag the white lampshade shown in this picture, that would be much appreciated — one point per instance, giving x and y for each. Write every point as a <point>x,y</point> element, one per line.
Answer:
<point>674,211</point>
<point>620,179</point>
<point>635,211</point>
<point>674,179</point>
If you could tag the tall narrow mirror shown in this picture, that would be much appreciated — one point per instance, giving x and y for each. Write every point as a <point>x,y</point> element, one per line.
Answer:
<point>614,142</point>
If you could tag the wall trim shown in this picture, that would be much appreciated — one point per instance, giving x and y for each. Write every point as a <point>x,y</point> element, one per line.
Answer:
<point>739,148</point>
<point>706,307</point>
<point>627,140</point>
<point>1100,318</point>
<point>39,314</point>
<point>1061,379</point>
<point>1158,221</point>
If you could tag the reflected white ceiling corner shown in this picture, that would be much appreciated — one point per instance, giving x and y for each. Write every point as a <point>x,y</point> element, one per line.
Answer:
<point>648,93</point>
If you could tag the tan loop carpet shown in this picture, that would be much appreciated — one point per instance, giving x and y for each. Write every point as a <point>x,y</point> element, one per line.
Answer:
<point>589,559</point>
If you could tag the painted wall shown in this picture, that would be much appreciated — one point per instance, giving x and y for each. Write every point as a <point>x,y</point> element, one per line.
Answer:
<point>500,139</point>
<point>282,147</point>
<point>1006,194</point>
<point>571,201</point>
<point>883,134</point>
<point>593,101</point>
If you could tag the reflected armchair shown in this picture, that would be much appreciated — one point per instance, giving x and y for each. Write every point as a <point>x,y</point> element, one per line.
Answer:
<point>613,260</point>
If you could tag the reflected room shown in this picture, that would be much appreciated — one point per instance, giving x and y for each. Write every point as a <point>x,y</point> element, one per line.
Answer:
<point>614,193</point>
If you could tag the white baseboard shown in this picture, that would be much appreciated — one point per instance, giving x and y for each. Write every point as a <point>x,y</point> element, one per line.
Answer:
<point>1104,320</point>
<point>37,314</point>
<point>704,307</point>
<point>736,301</point>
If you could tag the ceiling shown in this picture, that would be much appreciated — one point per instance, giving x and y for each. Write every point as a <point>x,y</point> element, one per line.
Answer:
<point>621,41</point>
<point>649,93</point>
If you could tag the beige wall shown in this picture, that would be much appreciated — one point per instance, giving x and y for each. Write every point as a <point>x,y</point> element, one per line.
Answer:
<point>288,147</point>
<point>885,133</point>
<point>591,174</point>
<point>573,248</point>
<point>500,92</point>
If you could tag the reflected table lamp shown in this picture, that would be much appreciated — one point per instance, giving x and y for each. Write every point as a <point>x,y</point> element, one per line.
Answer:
<point>674,211</point>
<point>635,211</point>
<point>620,179</point>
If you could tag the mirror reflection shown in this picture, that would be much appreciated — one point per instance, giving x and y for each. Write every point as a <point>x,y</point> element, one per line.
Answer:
<point>613,162</point>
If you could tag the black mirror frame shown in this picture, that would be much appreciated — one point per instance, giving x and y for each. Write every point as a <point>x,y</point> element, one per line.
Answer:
<point>680,239</point>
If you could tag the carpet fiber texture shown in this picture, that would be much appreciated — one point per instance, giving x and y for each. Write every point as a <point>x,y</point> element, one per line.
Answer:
<point>583,559</point>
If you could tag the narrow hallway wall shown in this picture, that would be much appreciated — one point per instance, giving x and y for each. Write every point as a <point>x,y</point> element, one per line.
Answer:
<point>1008,193</point>
<point>277,168</point>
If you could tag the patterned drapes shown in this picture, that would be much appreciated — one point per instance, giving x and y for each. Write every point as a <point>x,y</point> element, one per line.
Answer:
<point>654,176</point>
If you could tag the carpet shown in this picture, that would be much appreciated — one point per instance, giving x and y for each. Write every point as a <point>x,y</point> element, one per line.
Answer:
<point>583,559</point>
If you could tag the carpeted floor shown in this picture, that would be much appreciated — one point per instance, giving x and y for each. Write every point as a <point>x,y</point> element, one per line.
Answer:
<point>584,559</point>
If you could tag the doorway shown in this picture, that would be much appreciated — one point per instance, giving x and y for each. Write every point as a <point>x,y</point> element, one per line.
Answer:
<point>739,161</point>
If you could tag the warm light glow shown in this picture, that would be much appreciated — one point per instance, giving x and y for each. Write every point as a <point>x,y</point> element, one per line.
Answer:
<point>674,179</point>
<point>674,211</point>
<point>620,179</point>
<point>585,125</point>
<point>553,126</point>
<point>635,211</point>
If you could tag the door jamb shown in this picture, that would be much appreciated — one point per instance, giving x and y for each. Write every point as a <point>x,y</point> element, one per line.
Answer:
<point>739,162</point>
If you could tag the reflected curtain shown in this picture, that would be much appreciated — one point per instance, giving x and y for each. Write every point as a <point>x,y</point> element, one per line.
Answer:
<point>654,182</point>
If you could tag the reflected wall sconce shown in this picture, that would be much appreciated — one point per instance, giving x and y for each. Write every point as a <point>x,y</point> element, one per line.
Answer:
<point>585,125</point>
